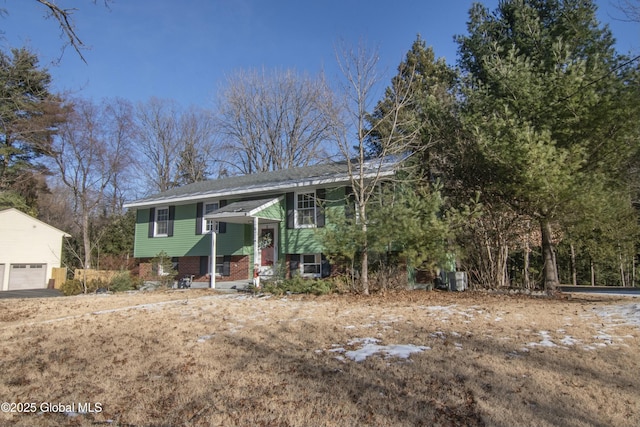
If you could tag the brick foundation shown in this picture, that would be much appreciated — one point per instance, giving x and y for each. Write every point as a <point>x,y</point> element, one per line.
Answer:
<point>190,266</point>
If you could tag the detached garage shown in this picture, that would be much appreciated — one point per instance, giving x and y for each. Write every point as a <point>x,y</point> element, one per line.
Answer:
<point>29,250</point>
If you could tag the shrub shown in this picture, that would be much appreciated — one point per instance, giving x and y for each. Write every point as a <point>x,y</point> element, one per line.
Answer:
<point>75,286</point>
<point>123,281</point>
<point>163,268</point>
<point>299,285</point>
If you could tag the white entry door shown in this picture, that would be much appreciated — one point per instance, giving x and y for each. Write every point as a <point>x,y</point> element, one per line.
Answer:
<point>27,276</point>
<point>1,276</point>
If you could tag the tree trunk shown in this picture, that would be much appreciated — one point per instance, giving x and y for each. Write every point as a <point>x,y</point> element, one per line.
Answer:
<point>593,273</point>
<point>622,278</point>
<point>364,268</point>
<point>86,239</point>
<point>574,271</point>
<point>550,271</point>
<point>527,252</point>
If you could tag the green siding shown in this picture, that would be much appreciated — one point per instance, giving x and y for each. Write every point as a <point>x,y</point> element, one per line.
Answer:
<point>185,241</point>
<point>277,211</point>
<point>305,240</point>
<point>238,240</point>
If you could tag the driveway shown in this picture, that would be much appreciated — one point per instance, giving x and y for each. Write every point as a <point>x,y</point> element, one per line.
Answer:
<point>31,293</point>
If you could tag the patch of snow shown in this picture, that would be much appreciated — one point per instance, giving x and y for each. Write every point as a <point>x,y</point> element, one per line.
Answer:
<point>568,340</point>
<point>623,314</point>
<point>370,347</point>
<point>546,341</point>
<point>363,341</point>
<point>204,338</point>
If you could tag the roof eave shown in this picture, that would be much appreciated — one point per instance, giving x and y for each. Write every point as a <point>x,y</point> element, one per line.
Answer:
<point>249,190</point>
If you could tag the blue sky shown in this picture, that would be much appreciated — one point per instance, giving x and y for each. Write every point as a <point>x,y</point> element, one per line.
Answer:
<point>184,49</point>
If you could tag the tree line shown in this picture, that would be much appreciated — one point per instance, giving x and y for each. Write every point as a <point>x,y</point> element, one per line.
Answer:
<point>519,165</point>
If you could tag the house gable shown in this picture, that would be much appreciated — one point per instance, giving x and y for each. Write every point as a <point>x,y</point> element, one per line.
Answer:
<point>27,243</point>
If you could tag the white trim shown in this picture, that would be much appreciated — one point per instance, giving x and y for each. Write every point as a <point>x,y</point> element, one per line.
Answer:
<point>252,190</point>
<point>205,220</point>
<point>317,261</point>
<point>64,234</point>
<point>296,209</point>
<point>267,205</point>
<point>250,214</point>
<point>155,222</point>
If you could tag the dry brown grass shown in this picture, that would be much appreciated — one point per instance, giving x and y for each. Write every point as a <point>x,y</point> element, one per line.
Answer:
<point>198,358</point>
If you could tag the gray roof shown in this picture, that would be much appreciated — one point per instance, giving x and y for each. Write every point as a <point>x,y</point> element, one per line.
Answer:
<point>244,206</point>
<point>255,184</point>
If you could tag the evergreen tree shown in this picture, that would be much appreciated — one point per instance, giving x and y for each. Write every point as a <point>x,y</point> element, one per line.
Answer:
<point>429,113</point>
<point>29,116</point>
<point>547,106</point>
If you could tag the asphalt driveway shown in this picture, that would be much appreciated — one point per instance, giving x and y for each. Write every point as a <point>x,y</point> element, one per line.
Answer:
<point>31,293</point>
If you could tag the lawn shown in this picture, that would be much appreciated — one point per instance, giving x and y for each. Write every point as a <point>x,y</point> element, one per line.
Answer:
<point>195,357</point>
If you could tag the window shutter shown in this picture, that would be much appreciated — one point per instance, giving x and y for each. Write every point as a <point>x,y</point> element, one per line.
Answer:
<point>152,221</point>
<point>226,265</point>
<point>204,265</point>
<point>294,263</point>
<point>172,215</point>
<point>222,226</point>
<point>199,218</point>
<point>325,267</point>
<point>321,195</point>
<point>290,202</point>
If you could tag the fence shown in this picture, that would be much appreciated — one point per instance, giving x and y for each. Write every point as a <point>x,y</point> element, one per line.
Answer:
<point>91,274</point>
<point>59,275</point>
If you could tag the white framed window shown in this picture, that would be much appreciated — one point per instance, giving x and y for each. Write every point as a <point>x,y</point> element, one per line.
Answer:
<point>310,265</point>
<point>305,210</point>
<point>207,224</point>
<point>162,222</point>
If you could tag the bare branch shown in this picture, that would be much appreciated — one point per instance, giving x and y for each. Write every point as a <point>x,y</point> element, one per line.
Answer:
<point>67,26</point>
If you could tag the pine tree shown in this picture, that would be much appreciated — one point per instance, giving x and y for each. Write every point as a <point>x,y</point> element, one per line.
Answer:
<point>547,107</point>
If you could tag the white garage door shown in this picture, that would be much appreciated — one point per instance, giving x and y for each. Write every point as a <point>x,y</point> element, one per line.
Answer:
<point>27,276</point>
<point>1,276</point>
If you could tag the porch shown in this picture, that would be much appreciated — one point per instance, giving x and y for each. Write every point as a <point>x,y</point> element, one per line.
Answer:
<point>265,215</point>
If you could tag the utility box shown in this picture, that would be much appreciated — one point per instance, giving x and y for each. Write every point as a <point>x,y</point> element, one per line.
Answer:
<point>457,280</point>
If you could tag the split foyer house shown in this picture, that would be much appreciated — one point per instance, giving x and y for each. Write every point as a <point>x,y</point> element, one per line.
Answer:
<point>266,219</point>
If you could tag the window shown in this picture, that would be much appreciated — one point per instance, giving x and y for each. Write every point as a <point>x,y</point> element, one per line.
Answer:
<point>310,265</point>
<point>223,265</point>
<point>305,213</point>
<point>208,208</point>
<point>162,222</point>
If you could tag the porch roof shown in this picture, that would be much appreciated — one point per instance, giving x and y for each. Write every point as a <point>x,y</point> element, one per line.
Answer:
<point>244,212</point>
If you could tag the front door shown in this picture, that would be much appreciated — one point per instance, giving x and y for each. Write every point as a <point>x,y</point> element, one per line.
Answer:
<point>268,249</point>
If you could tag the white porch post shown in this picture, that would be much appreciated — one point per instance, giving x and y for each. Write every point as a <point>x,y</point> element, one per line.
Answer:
<point>256,237</point>
<point>256,253</point>
<point>212,277</point>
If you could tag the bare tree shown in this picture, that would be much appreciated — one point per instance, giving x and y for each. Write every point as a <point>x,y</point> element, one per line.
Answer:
<point>366,172</point>
<point>158,144</point>
<point>88,157</point>
<point>120,131</point>
<point>174,147</point>
<point>274,120</point>
<point>196,135</point>
<point>630,8</point>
